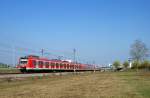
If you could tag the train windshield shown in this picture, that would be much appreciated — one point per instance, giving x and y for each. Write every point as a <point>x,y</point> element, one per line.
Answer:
<point>23,61</point>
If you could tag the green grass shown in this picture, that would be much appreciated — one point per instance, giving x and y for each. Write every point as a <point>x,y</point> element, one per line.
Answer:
<point>140,81</point>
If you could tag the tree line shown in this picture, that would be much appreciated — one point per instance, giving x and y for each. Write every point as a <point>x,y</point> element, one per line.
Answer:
<point>139,57</point>
<point>2,65</point>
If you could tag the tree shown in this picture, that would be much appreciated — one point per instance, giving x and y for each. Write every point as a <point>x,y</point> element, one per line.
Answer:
<point>116,64</point>
<point>145,64</point>
<point>135,64</point>
<point>139,51</point>
<point>126,64</point>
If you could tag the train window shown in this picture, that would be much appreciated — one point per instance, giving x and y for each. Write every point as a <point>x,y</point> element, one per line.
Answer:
<point>52,64</point>
<point>72,66</point>
<point>23,61</point>
<point>34,62</point>
<point>61,64</point>
<point>40,63</point>
<point>57,64</point>
<point>47,63</point>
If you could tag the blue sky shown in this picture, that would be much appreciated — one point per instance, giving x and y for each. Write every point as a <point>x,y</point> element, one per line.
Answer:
<point>100,30</point>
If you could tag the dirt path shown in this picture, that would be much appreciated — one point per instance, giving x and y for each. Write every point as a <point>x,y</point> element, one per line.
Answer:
<point>102,85</point>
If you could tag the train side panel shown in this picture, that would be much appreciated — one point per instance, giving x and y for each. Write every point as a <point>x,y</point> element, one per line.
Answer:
<point>33,63</point>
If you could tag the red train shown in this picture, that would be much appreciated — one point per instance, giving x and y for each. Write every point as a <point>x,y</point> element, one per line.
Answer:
<point>35,63</point>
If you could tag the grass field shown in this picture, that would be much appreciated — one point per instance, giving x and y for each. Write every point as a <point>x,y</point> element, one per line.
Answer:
<point>88,85</point>
<point>9,70</point>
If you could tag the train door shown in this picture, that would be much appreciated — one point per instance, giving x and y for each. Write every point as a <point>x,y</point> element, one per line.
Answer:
<point>62,65</point>
<point>77,66</point>
<point>36,64</point>
<point>44,65</point>
<point>49,65</point>
<point>69,65</point>
<point>52,65</point>
<point>33,64</point>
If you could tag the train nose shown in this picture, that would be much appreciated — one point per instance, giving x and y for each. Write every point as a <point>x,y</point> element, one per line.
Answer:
<point>21,66</point>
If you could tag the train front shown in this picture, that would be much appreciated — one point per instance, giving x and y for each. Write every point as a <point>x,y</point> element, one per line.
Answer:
<point>23,61</point>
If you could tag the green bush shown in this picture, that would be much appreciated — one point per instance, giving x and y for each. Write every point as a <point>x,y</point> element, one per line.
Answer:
<point>141,65</point>
<point>3,65</point>
<point>144,65</point>
<point>135,64</point>
<point>116,64</point>
<point>126,64</point>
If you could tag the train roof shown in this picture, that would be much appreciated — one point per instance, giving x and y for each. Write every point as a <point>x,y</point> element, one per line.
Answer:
<point>45,59</point>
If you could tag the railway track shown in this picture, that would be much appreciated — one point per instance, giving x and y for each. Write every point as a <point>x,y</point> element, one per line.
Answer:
<point>9,73</point>
<point>24,75</point>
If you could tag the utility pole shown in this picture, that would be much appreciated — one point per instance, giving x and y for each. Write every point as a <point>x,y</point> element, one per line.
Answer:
<point>60,57</point>
<point>42,51</point>
<point>74,57</point>
<point>13,56</point>
<point>94,66</point>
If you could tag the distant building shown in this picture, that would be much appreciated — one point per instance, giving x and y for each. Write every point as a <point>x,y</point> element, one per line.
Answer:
<point>130,62</point>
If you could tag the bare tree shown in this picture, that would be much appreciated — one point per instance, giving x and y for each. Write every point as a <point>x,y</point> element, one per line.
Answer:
<point>139,51</point>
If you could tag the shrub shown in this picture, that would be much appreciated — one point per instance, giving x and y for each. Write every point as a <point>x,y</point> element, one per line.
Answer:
<point>126,64</point>
<point>116,64</point>
<point>144,65</point>
<point>135,64</point>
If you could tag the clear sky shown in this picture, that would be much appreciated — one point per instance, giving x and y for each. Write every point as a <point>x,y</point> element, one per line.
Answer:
<point>100,30</point>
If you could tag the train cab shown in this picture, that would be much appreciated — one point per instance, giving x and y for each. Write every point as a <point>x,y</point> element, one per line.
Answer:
<point>23,61</point>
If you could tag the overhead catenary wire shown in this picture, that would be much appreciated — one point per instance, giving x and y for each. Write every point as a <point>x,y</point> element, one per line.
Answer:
<point>17,51</point>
